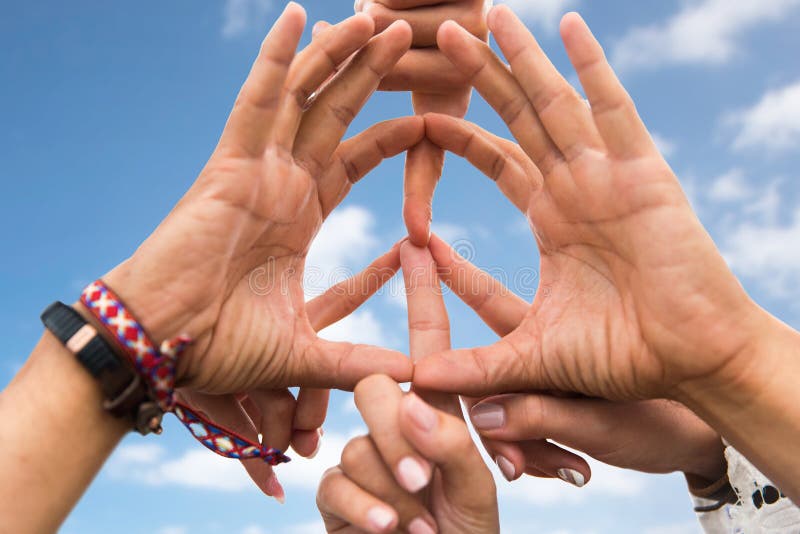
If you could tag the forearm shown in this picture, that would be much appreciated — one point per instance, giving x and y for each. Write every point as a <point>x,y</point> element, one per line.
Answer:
<point>754,405</point>
<point>55,438</point>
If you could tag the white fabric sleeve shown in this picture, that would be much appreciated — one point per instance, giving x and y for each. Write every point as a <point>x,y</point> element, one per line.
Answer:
<point>761,508</point>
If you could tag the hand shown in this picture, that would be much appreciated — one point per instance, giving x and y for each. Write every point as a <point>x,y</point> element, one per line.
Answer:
<point>652,436</point>
<point>436,86</point>
<point>285,420</point>
<point>226,266</point>
<point>635,301</point>
<point>411,445</point>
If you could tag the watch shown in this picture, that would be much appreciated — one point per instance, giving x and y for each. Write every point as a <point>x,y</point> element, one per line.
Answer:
<point>126,394</point>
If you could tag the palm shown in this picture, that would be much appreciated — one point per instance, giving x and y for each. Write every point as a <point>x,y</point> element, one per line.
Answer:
<point>616,270</point>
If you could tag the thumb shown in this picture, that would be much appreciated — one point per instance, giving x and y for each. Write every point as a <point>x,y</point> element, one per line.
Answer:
<point>340,365</point>
<point>445,440</point>
<point>511,364</point>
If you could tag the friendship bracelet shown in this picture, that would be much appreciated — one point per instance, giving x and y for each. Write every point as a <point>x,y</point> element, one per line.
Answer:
<point>157,368</point>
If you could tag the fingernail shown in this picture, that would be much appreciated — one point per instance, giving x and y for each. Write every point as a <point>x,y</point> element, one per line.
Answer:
<point>380,518</point>
<point>421,413</point>
<point>411,474</point>
<point>319,444</point>
<point>420,526</point>
<point>506,467</point>
<point>316,29</point>
<point>275,490</point>
<point>571,476</point>
<point>357,5</point>
<point>488,416</point>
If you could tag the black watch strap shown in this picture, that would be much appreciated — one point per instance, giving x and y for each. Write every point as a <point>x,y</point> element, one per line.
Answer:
<point>125,393</point>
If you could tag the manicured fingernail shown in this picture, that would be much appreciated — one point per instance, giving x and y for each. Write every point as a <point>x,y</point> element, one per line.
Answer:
<point>319,444</point>
<point>316,29</point>
<point>488,416</point>
<point>357,5</point>
<point>275,490</point>
<point>421,413</point>
<point>571,476</point>
<point>420,526</point>
<point>411,474</point>
<point>506,467</point>
<point>381,518</point>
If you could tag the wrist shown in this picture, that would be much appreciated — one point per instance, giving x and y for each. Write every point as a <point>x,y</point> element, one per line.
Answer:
<point>161,313</point>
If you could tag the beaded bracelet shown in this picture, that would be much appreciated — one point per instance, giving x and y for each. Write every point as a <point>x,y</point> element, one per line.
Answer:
<point>157,369</point>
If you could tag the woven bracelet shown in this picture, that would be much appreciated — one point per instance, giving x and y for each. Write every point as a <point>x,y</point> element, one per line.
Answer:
<point>157,367</point>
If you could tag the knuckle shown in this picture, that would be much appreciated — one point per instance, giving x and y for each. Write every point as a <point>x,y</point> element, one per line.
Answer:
<point>354,452</point>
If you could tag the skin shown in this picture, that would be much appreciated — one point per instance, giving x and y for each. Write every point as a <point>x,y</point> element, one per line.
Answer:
<point>655,436</point>
<point>435,84</point>
<point>240,235</point>
<point>635,300</point>
<point>368,491</point>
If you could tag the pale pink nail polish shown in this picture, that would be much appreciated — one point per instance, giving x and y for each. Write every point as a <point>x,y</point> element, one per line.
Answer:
<point>420,526</point>
<point>411,474</point>
<point>506,467</point>
<point>380,518</point>
<point>488,416</point>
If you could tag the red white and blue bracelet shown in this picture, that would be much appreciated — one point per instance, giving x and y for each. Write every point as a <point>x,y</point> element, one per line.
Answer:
<point>156,367</point>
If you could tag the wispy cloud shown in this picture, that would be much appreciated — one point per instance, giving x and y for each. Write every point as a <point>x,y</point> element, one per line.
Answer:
<point>241,16</point>
<point>666,146</point>
<point>544,13</point>
<point>773,123</point>
<point>708,32</point>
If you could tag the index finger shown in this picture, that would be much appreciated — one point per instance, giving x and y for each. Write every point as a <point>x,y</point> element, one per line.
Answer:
<point>428,324</point>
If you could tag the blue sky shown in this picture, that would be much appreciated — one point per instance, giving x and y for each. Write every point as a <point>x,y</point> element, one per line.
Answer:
<point>109,110</point>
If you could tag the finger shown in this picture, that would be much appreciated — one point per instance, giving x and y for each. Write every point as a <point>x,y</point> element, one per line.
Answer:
<point>326,121</point>
<point>425,20</point>
<point>357,156</point>
<point>612,107</point>
<point>511,364</point>
<point>276,409</point>
<point>248,126</point>
<point>228,412</point>
<point>378,398</point>
<point>424,164</point>
<point>362,463</point>
<point>544,457</point>
<point>424,70</point>
<point>502,91</point>
<point>445,440</point>
<point>347,296</point>
<point>428,324</point>
<point>312,67</point>
<point>340,365</point>
<point>343,503</point>
<point>309,415</point>
<point>560,108</point>
<point>497,305</point>
<point>402,4</point>
<point>318,28</point>
<point>500,159</point>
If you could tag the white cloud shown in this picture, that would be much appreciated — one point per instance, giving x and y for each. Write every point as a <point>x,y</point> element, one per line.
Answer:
<point>172,529</point>
<point>763,252</point>
<point>730,187</point>
<point>253,529</point>
<point>198,468</point>
<point>666,146</point>
<point>449,231</point>
<point>545,13</point>
<point>690,527</point>
<point>359,327</point>
<point>345,240</point>
<point>773,123</point>
<point>243,15</point>
<point>312,527</point>
<point>706,32</point>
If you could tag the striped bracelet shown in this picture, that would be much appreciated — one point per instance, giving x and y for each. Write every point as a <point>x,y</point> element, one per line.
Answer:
<point>157,369</point>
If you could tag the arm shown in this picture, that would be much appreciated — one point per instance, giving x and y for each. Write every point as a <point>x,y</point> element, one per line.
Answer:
<point>639,303</point>
<point>240,233</point>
